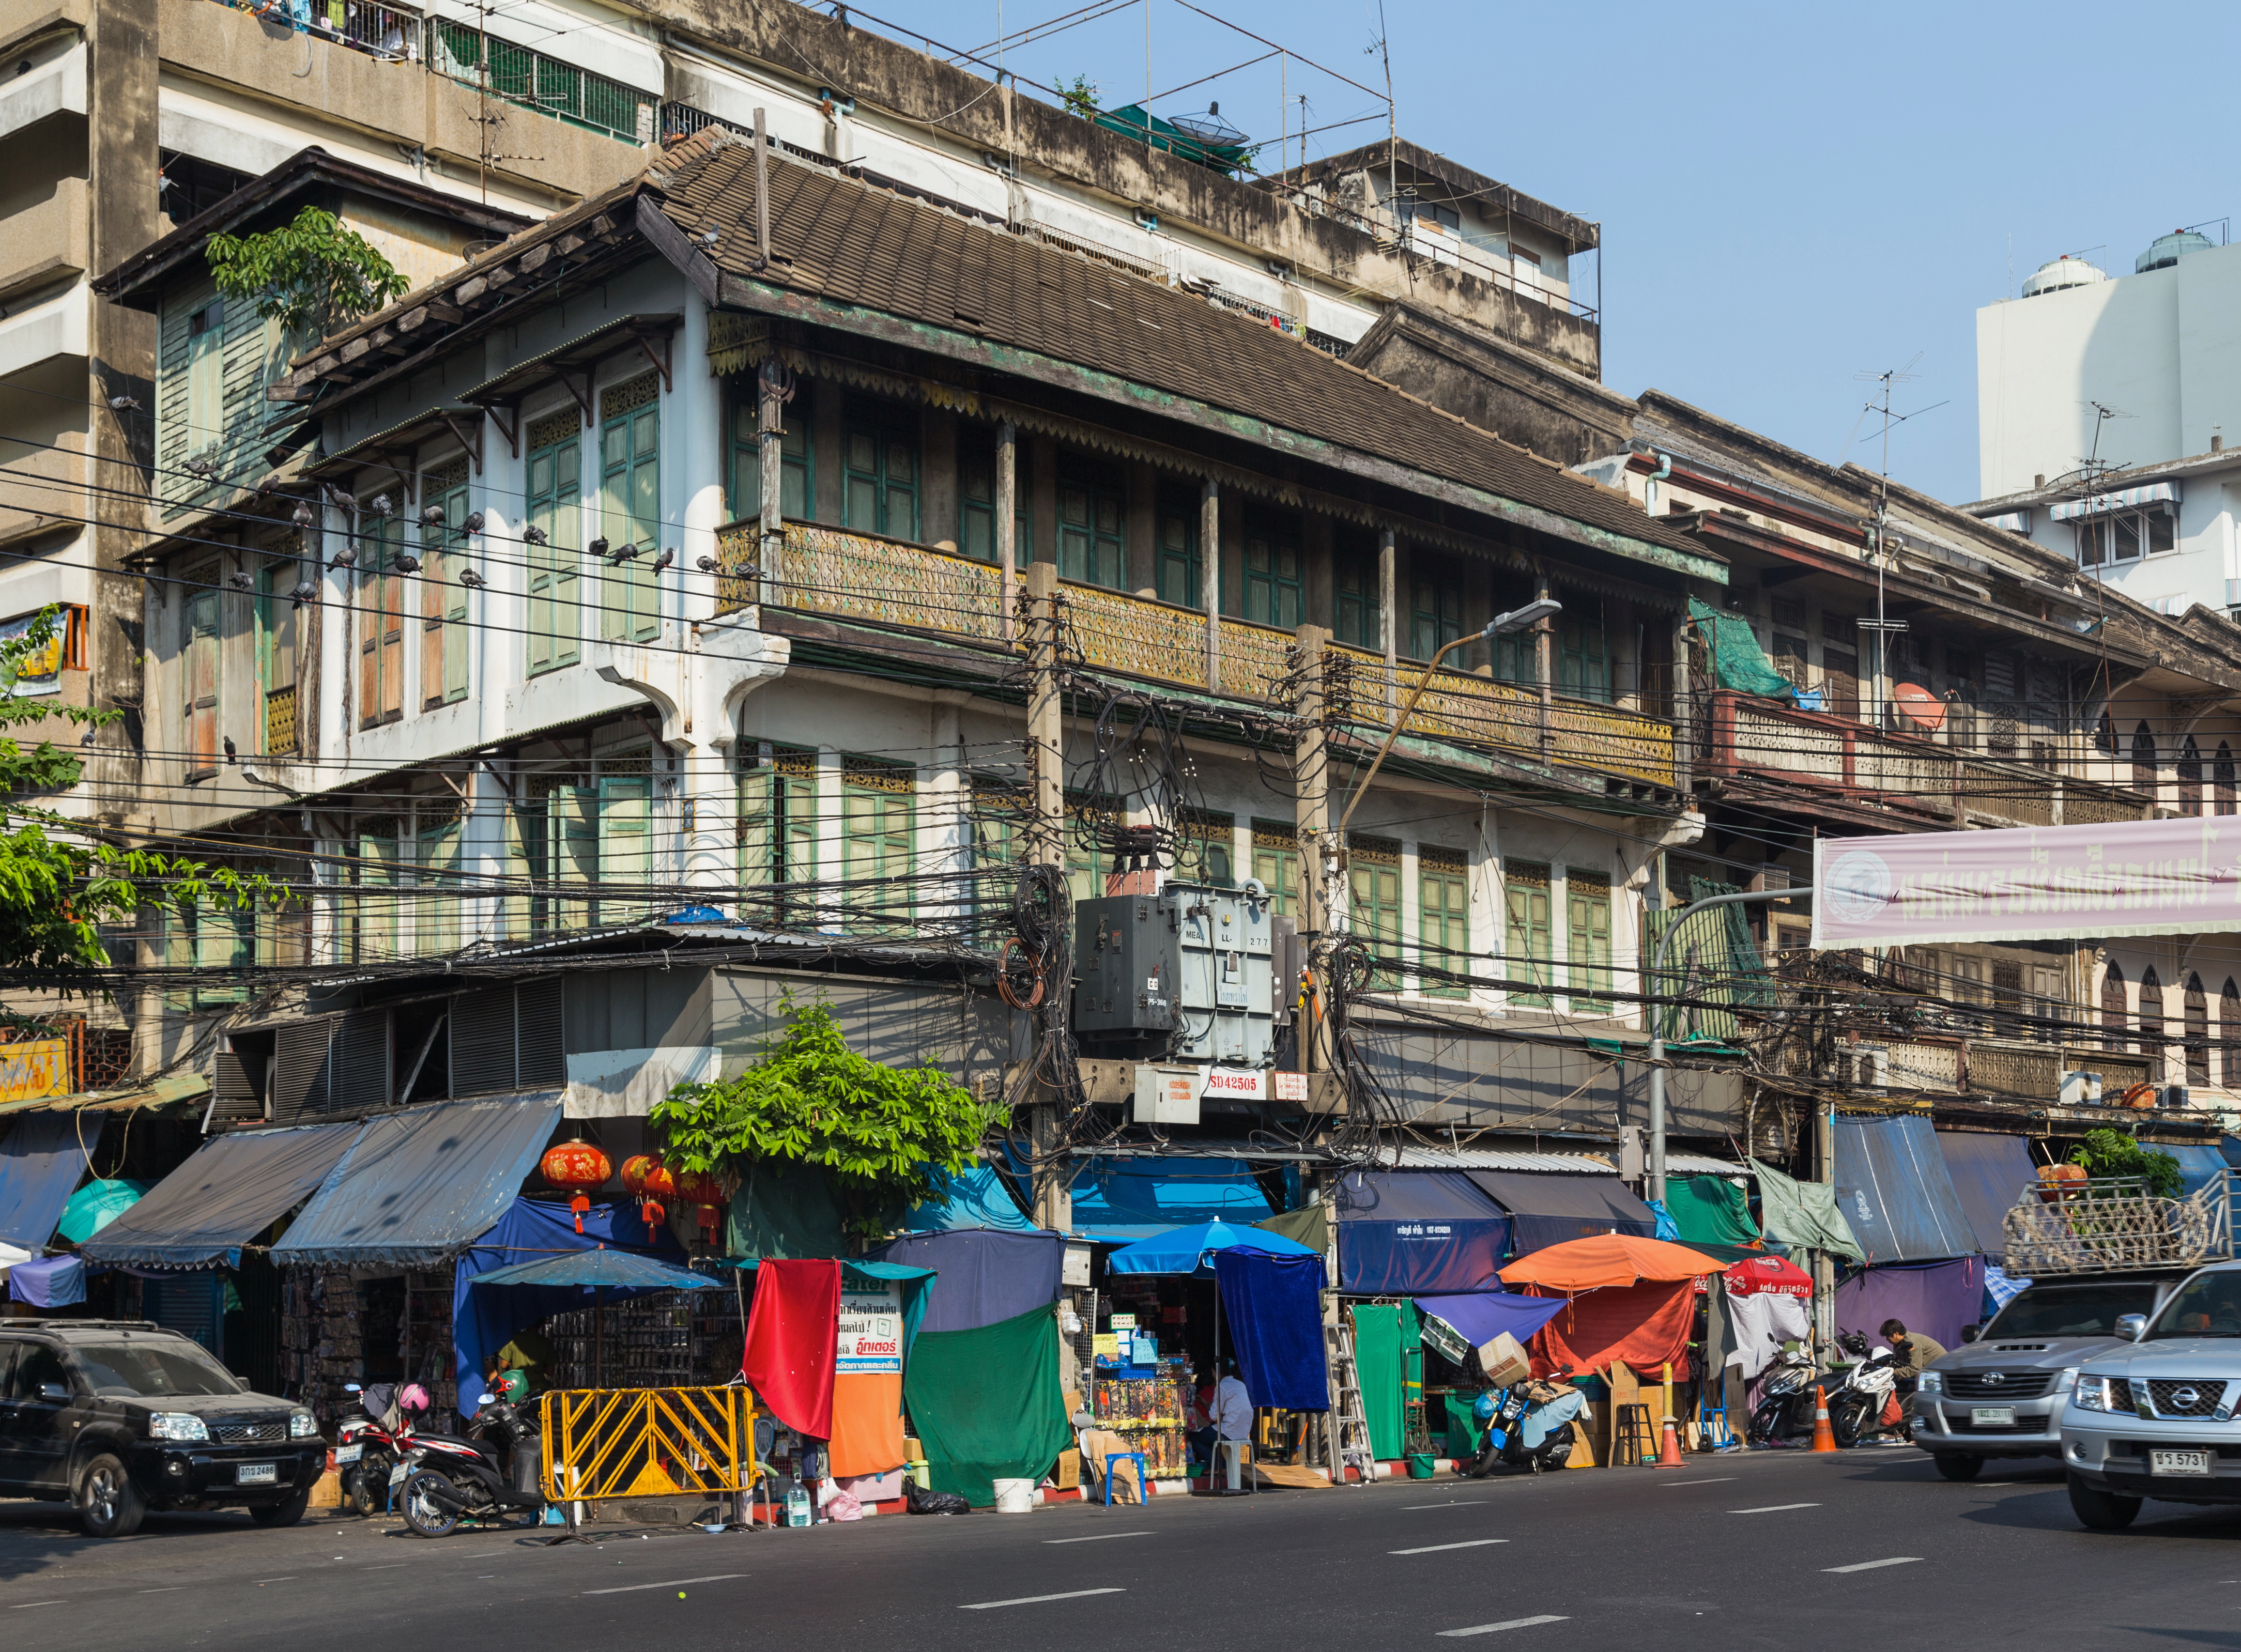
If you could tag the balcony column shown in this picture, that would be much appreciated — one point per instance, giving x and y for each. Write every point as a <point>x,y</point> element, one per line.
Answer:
<point>1311,785</point>
<point>1388,620</point>
<point>1209,549</point>
<point>770,548</point>
<point>1682,706</point>
<point>1008,519</point>
<point>1544,667</point>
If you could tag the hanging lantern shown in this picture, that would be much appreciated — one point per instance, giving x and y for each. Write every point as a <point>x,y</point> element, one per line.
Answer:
<point>634,1169</point>
<point>575,1168</point>
<point>705,1190</point>
<point>655,1183</point>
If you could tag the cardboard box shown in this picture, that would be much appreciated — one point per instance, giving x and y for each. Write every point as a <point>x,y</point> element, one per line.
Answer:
<point>1505,1361</point>
<point>1067,1476</point>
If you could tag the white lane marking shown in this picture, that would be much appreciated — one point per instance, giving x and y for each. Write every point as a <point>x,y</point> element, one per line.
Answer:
<point>1720,1480</point>
<point>673,1582</point>
<point>1512,1624</point>
<point>1096,1537</point>
<point>1870,1566</point>
<point>290,1579</point>
<point>1037,1600</point>
<point>1773,1509</point>
<point>1475,1502</point>
<point>1435,1549</point>
<point>1992,1484</point>
<point>387,1565</point>
<point>26,1606</point>
<point>175,1588</point>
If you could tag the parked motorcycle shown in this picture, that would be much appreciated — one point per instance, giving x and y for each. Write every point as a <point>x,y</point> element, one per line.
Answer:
<point>1784,1414</point>
<point>477,1478</point>
<point>371,1443</point>
<point>1528,1426</point>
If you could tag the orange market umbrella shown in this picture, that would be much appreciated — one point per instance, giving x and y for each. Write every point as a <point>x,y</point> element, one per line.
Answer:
<point>1607,1259</point>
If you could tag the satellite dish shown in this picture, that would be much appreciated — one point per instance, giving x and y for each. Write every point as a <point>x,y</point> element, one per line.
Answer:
<point>1209,128</point>
<point>1921,704</point>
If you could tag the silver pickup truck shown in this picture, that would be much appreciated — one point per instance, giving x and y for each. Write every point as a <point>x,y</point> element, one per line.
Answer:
<point>2155,1416</point>
<point>2001,1395</point>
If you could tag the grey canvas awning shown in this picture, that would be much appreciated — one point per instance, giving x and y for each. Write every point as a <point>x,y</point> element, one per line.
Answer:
<point>230,1190</point>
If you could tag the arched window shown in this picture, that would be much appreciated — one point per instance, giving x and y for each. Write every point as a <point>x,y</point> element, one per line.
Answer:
<point>2104,734</point>
<point>2115,1015</point>
<point>2144,760</point>
<point>2229,1034</point>
<point>2197,1031</point>
<point>2190,778</point>
<point>2221,780</point>
<point>2152,1022</point>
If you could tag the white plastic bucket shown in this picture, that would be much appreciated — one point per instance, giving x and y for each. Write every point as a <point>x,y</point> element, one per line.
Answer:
<point>1015,1496</point>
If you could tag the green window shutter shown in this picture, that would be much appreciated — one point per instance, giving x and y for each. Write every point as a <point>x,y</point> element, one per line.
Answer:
<point>1275,593</point>
<point>1527,942</point>
<point>179,960</point>
<point>1276,863</point>
<point>1582,657</point>
<point>575,852</point>
<point>1588,952</point>
<point>375,931</point>
<point>1374,882</point>
<point>630,507</point>
<point>225,945</point>
<point>437,917</point>
<point>877,808</point>
<point>556,466</point>
<point>455,637</point>
<point>528,869</point>
<point>1182,574</point>
<point>1443,918</point>
<point>625,845</point>
<point>646,514</point>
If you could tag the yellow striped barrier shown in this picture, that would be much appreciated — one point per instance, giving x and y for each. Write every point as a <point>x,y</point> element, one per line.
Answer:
<point>645,1442</point>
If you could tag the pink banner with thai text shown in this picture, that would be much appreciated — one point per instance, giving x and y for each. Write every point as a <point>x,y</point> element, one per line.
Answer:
<point>2031,883</point>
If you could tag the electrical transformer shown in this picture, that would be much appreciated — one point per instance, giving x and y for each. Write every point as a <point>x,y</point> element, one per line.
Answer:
<point>1190,960</point>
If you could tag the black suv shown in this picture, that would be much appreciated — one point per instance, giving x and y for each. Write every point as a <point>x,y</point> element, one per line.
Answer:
<point>122,1416</point>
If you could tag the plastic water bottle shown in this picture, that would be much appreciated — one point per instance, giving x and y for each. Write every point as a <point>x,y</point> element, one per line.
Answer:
<point>797,1505</point>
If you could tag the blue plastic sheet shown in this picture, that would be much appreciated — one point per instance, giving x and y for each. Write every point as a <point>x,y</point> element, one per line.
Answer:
<point>1893,1189</point>
<point>51,1282</point>
<point>1272,1316</point>
<point>1406,1258</point>
<point>1988,1172</point>
<point>981,1278</point>
<point>2197,1164</point>
<point>601,1270</point>
<point>1187,1250</point>
<point>970,1198</point>
<point>1480,1316</point>
<point>41,1159</point>
<point>1124,1199</point>
<point>1412,1196</point>
<point>1550,1210</point>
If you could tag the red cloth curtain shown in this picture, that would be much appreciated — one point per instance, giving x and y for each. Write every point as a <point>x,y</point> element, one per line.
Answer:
<point>1643,1325</point>
<point>790,1348</point>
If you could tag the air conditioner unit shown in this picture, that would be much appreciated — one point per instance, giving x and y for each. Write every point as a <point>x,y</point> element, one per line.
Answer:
<point>1871,1066</point>
<point>2080,1090</point>
<point>2173,1095</point>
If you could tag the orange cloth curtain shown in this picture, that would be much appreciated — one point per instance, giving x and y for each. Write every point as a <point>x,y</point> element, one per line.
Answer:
<point>867,1423</point>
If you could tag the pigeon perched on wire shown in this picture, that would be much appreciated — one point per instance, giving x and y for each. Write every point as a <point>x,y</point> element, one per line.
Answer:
<point>534,535</point>
<point>406,563</point>
<point>432,515</point>
<point>230,748</point>
<point>86,739</point>
<point>598,547</point>
<point>666,559</point>
<point>305,516</point>
<point>304,591</point>
<point>381,504</point>
<point>339,499</point>
<point>628,554</point>
<point>473,580</point>
<point>346,558</point>
<point>240,581</point>
<point>201,467</point>
<point>473,524</point>
<point>269,485</point>
<point>709,564</point>
<point>125,404</point>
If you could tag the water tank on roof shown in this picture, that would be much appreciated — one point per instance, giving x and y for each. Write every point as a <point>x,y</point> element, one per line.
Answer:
<point>2056,274</point>
<point>2170,249</point>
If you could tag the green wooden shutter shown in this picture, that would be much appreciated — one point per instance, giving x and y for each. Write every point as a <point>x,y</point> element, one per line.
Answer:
<point>1525,894</point>
<point>1443,918</point>
<point>575,853</point>
<point>528,869</point>
<point>877,808</point>
<point>556,466</point>
<point>630,507</point>
<point>1587,951</point>
<point>1374,882</point>
<point>436,917</point>
<point>625,847</point>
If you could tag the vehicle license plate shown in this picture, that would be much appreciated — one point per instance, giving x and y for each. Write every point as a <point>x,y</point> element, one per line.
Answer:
<point>2178,1462</point>
<point>397,1474</point>
<point>1992,1416</point>
<point>348,1453</point>
<point>257,1473</point>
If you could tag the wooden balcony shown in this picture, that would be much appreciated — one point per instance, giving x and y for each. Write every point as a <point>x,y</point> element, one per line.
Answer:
<point>1768,747</point>
<point>842,574</point>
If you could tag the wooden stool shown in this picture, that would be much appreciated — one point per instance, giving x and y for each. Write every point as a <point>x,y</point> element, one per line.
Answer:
<point>1632,1443</point>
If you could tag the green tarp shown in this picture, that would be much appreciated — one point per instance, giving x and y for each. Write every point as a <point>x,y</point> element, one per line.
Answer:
<point>1462,1426</point>
<point>1710,1210</point>
<point>1805,1213</point>
<point>786,1210</point>
<point>1377,1349</point>
<point>1737,660</point>
<point>986,1404</point>
<point>1309,1227</point>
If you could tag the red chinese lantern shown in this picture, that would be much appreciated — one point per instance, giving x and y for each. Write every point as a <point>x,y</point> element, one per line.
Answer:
<point>703,1188</point>
<point>575,1167</point>
<point>649,1182</point>
<point>634,1169</point>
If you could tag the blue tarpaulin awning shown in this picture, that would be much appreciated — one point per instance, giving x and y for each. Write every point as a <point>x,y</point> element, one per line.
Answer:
<point>417,1187</point>
<point>969,1198</point>
<point>1404,1231</point>
<point>1896,1192</point>
<point>2196,1163</point>
<point>982,1277</point>
<point>1124,1199</point>
<point>1480,1316</point>
<point>1185,1250</point>
<point>1546,1210</point>
<point>1989,1174</point>
<point>42,1156</point>
<point>602,1270</point>
<point>230,1189</point>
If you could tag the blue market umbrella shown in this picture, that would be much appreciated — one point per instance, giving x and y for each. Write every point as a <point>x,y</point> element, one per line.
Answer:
<point>611,1269</point>
<point>1185,1250</point>
<point>93,1206</point>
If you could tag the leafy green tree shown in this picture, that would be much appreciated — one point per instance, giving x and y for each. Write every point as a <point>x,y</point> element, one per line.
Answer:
<point>879,1133</point>
<point>2111,1153</point>
<point>312,276</point>
<point>1081,98</point>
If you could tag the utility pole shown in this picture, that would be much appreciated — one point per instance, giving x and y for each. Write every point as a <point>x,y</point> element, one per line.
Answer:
<point>1318,855</point>
<point>769,540</point>
<point>1053,1205</point>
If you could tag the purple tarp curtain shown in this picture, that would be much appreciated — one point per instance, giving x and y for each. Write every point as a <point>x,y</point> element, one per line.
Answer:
<point>1935,1298</point>
<point>982,1277</point>
<point>53,1282</point>
<point>1481,1316</point>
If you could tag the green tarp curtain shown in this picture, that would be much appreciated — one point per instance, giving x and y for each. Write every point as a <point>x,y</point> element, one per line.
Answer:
<point>1309,1227</point>
<point>986,1404</point>
<point>786,1210</point>
<point>1377,1349</point>
<point>1804,1214</point>
<point>1464,1431</point>
<point>1713,961</point>
<point>1737,660</point>
<point>1710,1210</point>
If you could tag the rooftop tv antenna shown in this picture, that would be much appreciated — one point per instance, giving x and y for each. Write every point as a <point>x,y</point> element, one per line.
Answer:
<point>1882,625</point>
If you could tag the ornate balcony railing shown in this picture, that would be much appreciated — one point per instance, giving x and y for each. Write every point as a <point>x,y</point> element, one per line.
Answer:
<point>861,576</point>
<point>279,720</point>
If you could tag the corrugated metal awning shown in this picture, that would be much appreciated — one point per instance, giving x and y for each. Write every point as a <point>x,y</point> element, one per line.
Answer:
<point>1553,1163</point>
<point>2102,504</point>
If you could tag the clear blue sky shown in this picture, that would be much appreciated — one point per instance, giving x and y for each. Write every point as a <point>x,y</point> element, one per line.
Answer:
<point>1789,196</point>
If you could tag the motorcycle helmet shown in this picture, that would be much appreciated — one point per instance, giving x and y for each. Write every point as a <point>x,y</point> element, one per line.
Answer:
<point>415,1398</point>
<point>1484,1408</point>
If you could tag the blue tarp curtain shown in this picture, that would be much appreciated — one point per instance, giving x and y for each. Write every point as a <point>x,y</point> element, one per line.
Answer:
<point>970,1198</point>
<point>2196,1163</point>
<point>418,1187</point>
<point>1272,1317</point>
<point>1988,1171</point>
<point>1480,1316</point>
<point>1130,1199</point>
<point>981,1278</point>
<point>1401,1232</point>
<point>1893,1189</point>
<point>1549,1210</point>
<point>49,1282</point>
<point>483,1321</point>
<point>41,1160</point>
<point>230,1190</point>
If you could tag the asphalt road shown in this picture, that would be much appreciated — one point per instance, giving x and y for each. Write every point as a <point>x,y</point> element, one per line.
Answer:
<point>1779,1550</point>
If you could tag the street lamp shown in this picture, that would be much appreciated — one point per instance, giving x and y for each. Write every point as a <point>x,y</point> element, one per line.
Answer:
<point>1516,620</point>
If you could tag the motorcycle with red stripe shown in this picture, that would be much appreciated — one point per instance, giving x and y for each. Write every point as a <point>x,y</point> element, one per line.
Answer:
<point>485,1477</point>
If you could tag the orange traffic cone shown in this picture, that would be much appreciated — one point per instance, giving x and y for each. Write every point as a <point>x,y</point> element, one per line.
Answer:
<point>1825,1437</point>
<point>1668,1453</point>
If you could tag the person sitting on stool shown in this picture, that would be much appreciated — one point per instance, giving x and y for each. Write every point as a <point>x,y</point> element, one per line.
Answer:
<point>1233,1425</point>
